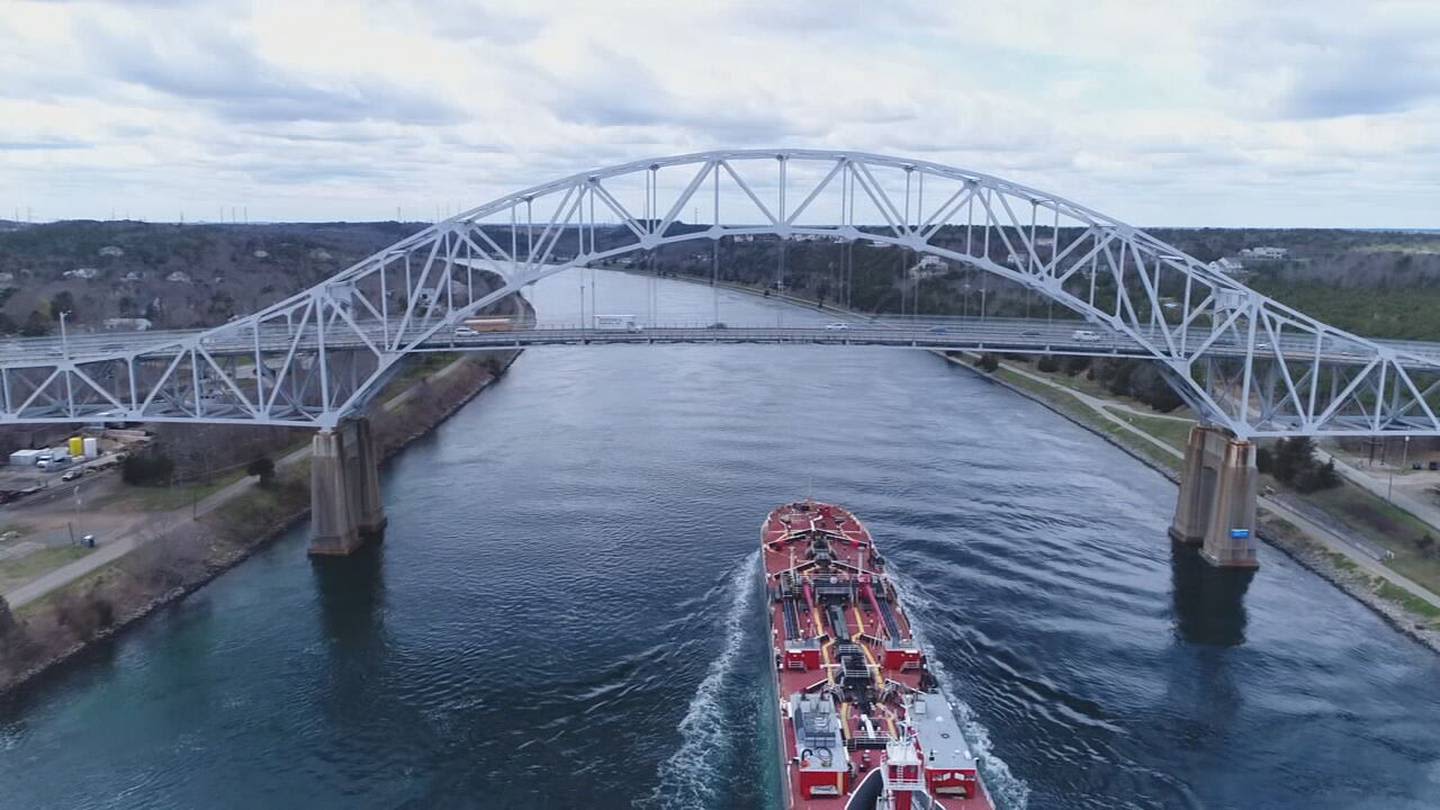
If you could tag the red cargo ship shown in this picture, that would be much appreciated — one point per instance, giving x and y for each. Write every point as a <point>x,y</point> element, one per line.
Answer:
<point>861,722</point>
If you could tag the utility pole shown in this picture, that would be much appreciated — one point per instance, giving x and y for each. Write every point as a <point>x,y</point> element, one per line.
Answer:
<point>64,343</point>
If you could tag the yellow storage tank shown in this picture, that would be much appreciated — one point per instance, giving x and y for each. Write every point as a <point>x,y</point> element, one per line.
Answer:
<point>77,447</point>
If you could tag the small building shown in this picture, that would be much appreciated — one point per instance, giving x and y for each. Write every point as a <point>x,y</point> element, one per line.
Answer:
<point>133,275</point>
<point>85,273</point>
<point>931,261</point>
<point>261,254</point>
<point>1228,266</point>
<point>112,250</point>
<point>321,254</point>
<point>179,277</point>
<point>24,458</point>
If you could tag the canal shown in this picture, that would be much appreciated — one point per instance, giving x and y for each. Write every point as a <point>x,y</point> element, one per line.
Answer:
<point>564,610</point>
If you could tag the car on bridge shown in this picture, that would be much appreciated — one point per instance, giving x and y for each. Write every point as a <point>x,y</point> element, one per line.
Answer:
<point>837,326</point>
<point>1086,336</point>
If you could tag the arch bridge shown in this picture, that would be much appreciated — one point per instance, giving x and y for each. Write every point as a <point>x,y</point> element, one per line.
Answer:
<point>1249,365</point>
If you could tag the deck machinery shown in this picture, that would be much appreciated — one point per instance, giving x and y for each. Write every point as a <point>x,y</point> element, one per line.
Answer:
<point>861,722</point>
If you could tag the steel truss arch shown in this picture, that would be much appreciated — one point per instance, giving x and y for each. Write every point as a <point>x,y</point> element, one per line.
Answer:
<point>1240,359</point>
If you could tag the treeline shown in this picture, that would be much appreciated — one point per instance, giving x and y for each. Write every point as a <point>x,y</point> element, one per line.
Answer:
<point>1380,284</point>
<point>1293,462</point>
<point>1137,379</point>
<point>224,270</point>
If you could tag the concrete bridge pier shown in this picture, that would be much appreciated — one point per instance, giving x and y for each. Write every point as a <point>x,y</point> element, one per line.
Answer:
<point>345,505</point>
<point>1216,506</point>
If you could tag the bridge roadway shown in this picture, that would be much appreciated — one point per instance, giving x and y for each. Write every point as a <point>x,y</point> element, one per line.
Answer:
<point>1021,335</point>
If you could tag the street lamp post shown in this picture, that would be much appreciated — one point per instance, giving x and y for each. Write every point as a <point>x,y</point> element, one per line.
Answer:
<point>64,343</point>
<point>1404,459</point>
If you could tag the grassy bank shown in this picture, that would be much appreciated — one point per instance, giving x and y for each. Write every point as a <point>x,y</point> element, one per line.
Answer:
<point>17,570</point>
<point>1080,413</point>
<point>1387,526</point>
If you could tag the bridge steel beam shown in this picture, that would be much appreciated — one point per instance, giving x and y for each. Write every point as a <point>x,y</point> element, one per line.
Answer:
<point>345,505</point>
<point>1243,361</point>
<point>1216,504</point>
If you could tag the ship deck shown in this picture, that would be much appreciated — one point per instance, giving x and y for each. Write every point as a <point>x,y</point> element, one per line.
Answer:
<point>845,657</point>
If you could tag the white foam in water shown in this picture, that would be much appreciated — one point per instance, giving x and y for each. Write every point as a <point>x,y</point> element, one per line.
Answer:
<point>1010,792</point>
<point>688,779</point>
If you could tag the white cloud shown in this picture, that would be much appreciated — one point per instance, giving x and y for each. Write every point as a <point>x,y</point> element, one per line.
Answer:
<point>1223,113</point>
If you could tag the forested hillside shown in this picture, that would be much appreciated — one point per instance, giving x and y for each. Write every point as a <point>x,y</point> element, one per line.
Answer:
<point>177,276</point>
<point>1379,283</point>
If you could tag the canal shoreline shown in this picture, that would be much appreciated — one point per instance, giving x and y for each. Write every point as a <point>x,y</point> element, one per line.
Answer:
<point>1274,530</point>
<point>261,537</point>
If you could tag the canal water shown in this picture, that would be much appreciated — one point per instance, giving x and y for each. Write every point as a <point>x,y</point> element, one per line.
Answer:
<point>564,612</point>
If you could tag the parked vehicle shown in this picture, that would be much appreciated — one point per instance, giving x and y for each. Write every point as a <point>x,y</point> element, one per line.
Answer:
<point>71,475</point>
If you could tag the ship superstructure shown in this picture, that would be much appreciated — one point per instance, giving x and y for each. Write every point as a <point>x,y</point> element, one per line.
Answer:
<point>861,723</point>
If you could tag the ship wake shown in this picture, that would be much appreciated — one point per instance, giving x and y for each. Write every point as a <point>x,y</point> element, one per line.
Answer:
<point>1007,790</point>
<point>694,776</point>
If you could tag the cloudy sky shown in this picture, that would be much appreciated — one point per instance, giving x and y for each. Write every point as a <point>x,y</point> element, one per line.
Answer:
<point>1197,113</point>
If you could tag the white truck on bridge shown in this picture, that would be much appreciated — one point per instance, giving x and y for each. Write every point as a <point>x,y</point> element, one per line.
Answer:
<point>616,323</point>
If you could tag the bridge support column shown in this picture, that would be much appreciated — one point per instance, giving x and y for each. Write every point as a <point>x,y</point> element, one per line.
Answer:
<point>1216,506</point>
<point>372,518</point>
<point>345,506</point>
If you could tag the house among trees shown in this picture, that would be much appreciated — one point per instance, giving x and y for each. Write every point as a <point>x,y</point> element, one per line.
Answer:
<point>1265,254</point>
<point>1228,266</point>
